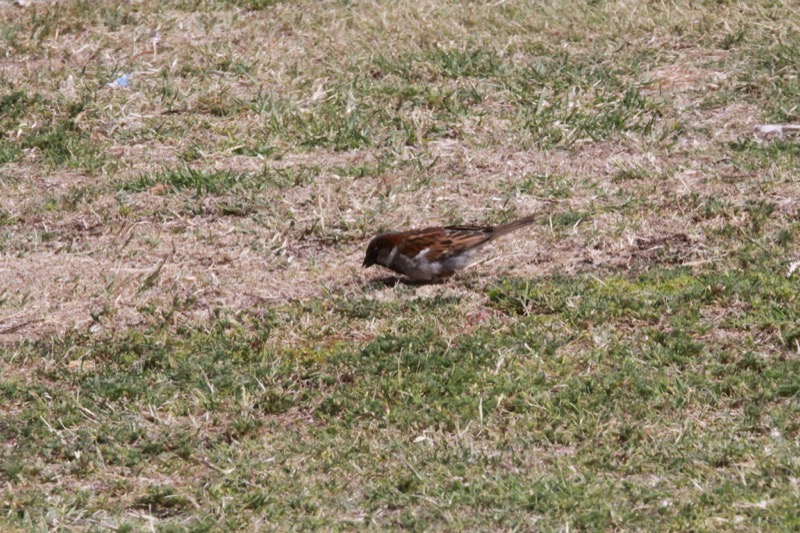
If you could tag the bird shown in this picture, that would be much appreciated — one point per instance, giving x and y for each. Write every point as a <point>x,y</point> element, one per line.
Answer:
<point>434,253</point>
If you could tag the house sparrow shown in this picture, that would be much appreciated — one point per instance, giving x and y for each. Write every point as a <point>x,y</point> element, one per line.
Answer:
<point>430,253</point>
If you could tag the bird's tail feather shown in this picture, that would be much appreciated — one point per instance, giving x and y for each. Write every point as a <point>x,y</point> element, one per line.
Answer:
<point>515,225</point>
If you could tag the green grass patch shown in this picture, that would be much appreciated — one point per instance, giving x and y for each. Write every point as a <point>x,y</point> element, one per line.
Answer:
<point>773,76</point>
<point>57,139</point>
<point>603,405</point>
<point>677,294</point>
<point>338,122</point>
<point>204,182</point>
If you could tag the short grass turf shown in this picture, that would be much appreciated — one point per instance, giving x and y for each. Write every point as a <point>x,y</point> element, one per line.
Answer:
<point>189,344</point>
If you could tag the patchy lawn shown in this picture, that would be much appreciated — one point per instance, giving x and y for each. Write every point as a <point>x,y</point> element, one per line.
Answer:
<point>189,342</point>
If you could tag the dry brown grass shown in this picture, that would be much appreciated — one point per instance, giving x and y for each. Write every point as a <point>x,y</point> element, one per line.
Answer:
<point>96,258</point>
<point>96,261</point>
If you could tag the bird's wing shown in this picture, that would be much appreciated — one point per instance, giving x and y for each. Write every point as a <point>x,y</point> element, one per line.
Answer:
<point>439,244</point>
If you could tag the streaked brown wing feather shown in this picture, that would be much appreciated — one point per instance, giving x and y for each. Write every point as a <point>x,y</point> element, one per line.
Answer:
<point>467,237</point>
<point>418,240</point>
<point>470,229</point>
<point>459,239</point>
<point>446,242</point>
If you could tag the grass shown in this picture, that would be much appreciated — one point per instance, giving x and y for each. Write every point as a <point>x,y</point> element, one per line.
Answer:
<point>188,342</point>
<point>57,141</point>
<point>217,182</point>
<point>621,403</point>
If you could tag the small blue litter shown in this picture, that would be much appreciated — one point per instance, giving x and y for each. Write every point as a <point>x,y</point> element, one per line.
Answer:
<point>121,82</point>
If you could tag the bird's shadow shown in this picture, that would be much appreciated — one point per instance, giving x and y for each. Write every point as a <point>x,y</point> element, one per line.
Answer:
<point>393,281</point>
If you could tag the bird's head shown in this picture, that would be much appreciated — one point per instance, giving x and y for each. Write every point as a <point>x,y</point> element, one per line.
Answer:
<point>379,249</point>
